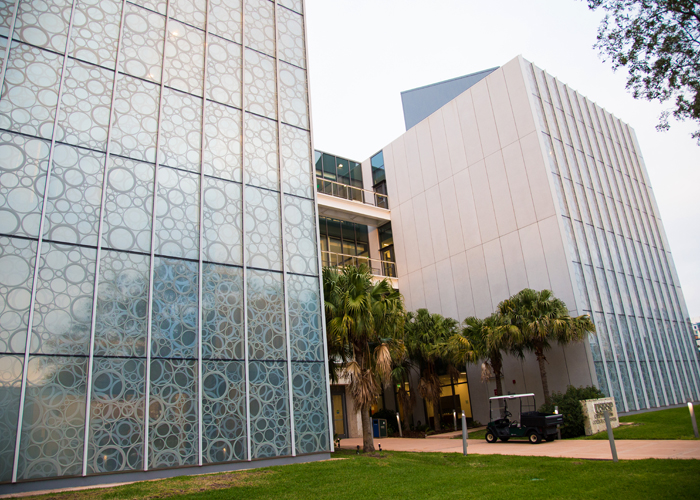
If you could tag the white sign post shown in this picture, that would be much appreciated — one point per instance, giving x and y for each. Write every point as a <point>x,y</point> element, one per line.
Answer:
<point>594,414</point>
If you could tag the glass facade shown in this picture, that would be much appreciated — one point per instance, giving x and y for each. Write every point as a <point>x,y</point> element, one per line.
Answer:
<point>333,173</point>
<point>159,272</point>
<point>623,271</point>
<point>342,241</point>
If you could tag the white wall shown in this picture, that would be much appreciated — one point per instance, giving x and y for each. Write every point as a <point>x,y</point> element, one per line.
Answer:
<point>475,221</point>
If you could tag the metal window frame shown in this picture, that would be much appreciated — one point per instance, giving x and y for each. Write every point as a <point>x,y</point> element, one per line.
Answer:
<point>37,263</point>
<point>283,228</point>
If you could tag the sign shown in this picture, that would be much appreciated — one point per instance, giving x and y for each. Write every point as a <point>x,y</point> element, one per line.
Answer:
<point>594,419</point>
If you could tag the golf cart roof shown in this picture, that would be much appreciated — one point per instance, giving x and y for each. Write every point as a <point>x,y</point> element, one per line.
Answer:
<point>513,396</point>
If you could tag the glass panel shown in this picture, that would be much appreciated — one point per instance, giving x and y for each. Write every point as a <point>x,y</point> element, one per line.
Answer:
<point>223,411</point>
<point>222,154</point>
<point>266,331</point>
<point>10,386</point>
<point>263,229</point>
<point>181,131</point>
<point>95,31</point>
<point>305,333</point>
<point>290,31</point>
<point>84,115</point>
<point>259,26</point>
<point>63,307</point>
<point>43,24</point>
<point>116,415</point>
<point>260,84</point>
<point>184,53</point>
<point>172,413</point>
<point>135,119</point>
<point>295,5</point>
<point>222,221</point>
<point>225,19</point>
<point>154,5</point>
<point>177,216</point>
<point>75,193</point>
<point>222,312</point>
<point>269,410</point>
<point>17,258</point>
<point>122,304</point>
<point>23,165</point>
<point>310,407</point>
<point>175,293</point>
<point>293,96</point>
<point>224,72</point>
<point>53,423</point>
<point>128,205</point>
<point>189,12</point>
<point>300,237</point>
<point>30,91</point>
<point>297,176</point>
<point>261,167</point>
<point>142,43</point>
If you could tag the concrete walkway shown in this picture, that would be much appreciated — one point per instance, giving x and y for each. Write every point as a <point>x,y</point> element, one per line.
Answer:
<point>571,448</point>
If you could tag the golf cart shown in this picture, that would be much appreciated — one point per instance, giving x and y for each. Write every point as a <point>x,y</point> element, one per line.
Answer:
<point>533,425</point>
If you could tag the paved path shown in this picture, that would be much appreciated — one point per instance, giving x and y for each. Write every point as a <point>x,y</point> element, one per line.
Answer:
<point>626,449</point>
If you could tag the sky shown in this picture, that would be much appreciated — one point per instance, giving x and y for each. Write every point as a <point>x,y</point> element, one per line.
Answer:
<point>363,53</point>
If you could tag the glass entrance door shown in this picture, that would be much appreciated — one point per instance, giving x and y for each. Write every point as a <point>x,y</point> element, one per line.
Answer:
<point>338,403</point>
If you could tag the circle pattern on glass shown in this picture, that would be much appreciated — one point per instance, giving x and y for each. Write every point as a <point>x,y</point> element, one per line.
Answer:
<point>53,427</point>
<point>296,161</point>
<point>293,96</point>
<point>263,229</point>
<point>177,217</point>
<point>175,298</point>
<point>75,192</point>
<point>10,386</point>
<point>95,31</point>
<point>17,258</point>
<point>261,161</point>
<point>43,24</point>
<point>300,237</point>
<point>23,165</point>
<point>142,43</point>
<point>222,154</point>
<point>30,91</point>
<point>223,411</point>
<point>184,53</point>
<point>290,27</point>
<point>269,410</point>
<point>122,304</point>
<point>172,412</point>
<point>63,305</point>
<point>135,119</point>
<point>181,130</point>
<point>266,332</point>
<point>260,25</point>
<point>116,415</point>
<point>310,407</point>
<point>305,333</point>
<point>222,222</point>
<point>129,202</point>
<point>84,115</point>
<point>224,72</point>
<point>225,19</point>
<point>260,87</point>
<point>222,311</point>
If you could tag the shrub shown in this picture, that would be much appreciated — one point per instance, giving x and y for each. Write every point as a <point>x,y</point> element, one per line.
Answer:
<point>390,416</point>
<point>570,407</point>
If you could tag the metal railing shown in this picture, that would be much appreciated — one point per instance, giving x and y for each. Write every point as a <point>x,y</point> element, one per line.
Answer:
<point>352,193</point>
<point>378,267</point>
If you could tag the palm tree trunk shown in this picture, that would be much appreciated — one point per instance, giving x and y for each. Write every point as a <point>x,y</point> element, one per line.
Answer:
<point>497,365</point>
<point>436,415</point>
<point>543,374</point>
<point>367,439</point>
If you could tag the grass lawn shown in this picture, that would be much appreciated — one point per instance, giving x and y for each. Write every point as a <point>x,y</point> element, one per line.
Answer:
<point>673,423</point>
<point>400,475</point>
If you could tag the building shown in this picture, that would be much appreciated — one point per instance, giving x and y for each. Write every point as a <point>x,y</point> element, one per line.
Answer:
<point>159,270</point>
<point>696,331</point>
<point>508,179</point>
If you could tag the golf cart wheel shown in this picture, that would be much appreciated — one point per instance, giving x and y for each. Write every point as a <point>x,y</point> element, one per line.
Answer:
<point>505,440</point>
<point>535,438</point>
<point>549,439</point>
<point>491,437</point>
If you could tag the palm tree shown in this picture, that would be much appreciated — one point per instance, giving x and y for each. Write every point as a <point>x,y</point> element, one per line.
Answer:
<point>363,322</point>
<point>487,339</point>
<point>542,318</point>
<point>426,338</point>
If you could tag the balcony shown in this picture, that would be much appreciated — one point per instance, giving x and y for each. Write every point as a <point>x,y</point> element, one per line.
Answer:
<point>353,204</point>
<point>379,268</point>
